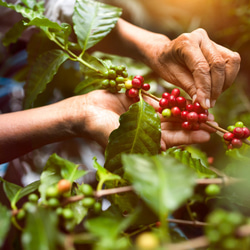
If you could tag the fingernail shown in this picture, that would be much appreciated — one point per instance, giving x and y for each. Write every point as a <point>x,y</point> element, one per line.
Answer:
<point>207,103</point>
<point>213,103</point>
<point>194,97</point>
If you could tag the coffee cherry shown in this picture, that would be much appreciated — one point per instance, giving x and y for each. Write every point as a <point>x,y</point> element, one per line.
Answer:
<point>33,198</point>
<point>124,74</point>
<point>136,83</point>
<point>176,112</point>
<point>202,118</point>
<point>160,109</point>
<point>231,128</point>
<point>175,92</point>
<point>195,126</point>
<point>212,189</point>
<point>105,74</point>
<point>184,114</point>
<point>166,113</point>
<point>105,83</point>
<point>246,132</point>
<point>88,202</point>
<point>172,101</point>
<point>164,103</point>
<point>87,190</point>
<point>140,78</point>
<point>112,83</point>
<point>97,207</point>
<point>63,186</point>
<point>111,74</point>
<point>128,84</point>
<point>237,143</point>
<point>239,124</point>
<point>192,117</point>
<point>52,191</point>
<point>133,92</point>
<point>119,79</point>
<point>53,202</point>
<point>21,214</point>
<point>147,241</point>
<point>67,214</point>
<point>228,136</point>
<point>165,95</point>
<point>145,86</point>
<point>181,102</point>
<point>197,108</point>
<point>186,125</point>
<point>120,68</point>
<point>238,132</point>
<point>189,107</point>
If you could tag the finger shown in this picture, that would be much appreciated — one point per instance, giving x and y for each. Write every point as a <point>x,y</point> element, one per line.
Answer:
<point>232,60</point>
<point>195,61</point>
<point>181,137</point>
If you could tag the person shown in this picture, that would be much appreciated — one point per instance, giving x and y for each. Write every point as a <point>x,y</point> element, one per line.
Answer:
<point>192,61</point>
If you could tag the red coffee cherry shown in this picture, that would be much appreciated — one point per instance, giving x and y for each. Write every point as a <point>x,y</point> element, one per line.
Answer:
<point>175,92</point>
<point>238,132</point>
<point>192,117</point>
<point>145,86</point>
<point>140,78</point>
<point>186,125</point>
<point>197,108</point>
<point>202,117</point>
<point>189,107</point>
<point>176,112</point>
<point>246,132</point>
<point>165,95</point>
<point>172,100</point>
<point>133,92</point>
<point>228,136</point>
<point>136,83</point>
<point>184,114</point>
<point>181,102</point>
<point>160,109</point>
<point>164,103</point>
<point>237,143</point>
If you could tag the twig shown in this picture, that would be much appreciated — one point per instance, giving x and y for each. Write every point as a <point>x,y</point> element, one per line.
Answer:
<point>151,95</point>
<point>111,191</point>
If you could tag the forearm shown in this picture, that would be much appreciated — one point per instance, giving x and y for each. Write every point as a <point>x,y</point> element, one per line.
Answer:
<point>132,41</point>
<point>24,131</point>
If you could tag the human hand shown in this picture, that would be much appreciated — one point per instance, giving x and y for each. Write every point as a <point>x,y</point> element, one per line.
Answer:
<point>193,62</point>
<point>101,116</point>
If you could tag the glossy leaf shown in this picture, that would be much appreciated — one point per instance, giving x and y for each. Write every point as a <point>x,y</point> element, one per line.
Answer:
<point>5,222</point>
<point>56,169</point>
<point>87,85</point>
<point>163,182</point>
<point>41,231</point>
<point>93,21</point>
<point>195,163</point>
<point>41,73</point>
<point>139,133</point>
<point>15,192</point>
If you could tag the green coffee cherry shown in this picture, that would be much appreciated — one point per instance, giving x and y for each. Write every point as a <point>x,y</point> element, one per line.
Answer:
<point>53,202</point>
<point>112,74</point>
<point>212,189</point>
<point>239,124</point>
<point>105,74</point>
<point>166,113</point>
<point>21,214</point>
<point>231,128</point>
<point>87,190</point>
<point>105,83</point>
<point>97,207</point>
<point>29,207</point>
<point>67,214</point>
<point>52,191</point>
<point>88,202</point>
<point>33,198</point>
<point>119,79</point>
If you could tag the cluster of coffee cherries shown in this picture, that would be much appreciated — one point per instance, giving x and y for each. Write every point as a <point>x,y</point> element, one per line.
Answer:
<point>237,132</point>
<point>133,86</point>
<point>114,78</point>
<point>174,105</point>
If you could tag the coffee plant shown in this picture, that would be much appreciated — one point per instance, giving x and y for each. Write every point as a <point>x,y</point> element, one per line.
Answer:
<point>174,199</point>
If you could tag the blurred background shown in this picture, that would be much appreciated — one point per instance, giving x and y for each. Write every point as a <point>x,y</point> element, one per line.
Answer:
<point>227,22</point>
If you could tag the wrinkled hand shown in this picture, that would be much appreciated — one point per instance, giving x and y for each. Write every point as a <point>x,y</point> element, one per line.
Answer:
<point>193,62</point>
<point>103,109</point>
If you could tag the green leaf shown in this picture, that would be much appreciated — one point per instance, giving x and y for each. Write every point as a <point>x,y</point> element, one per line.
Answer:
<point>162,181</point>
<point>14,33</point>
<point>41,73</point>
<point>93,21</point>
<point>139,133</point>
<point>24,11</point>
<point>41,231</point>
<point>87,85</point>
<point>104,175</point>
<point>56,169</point>
<point>5,222</point>
<point>44,22</point>
<point>30,3</point>
<point>15,192</point>
<point>195,163</point>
